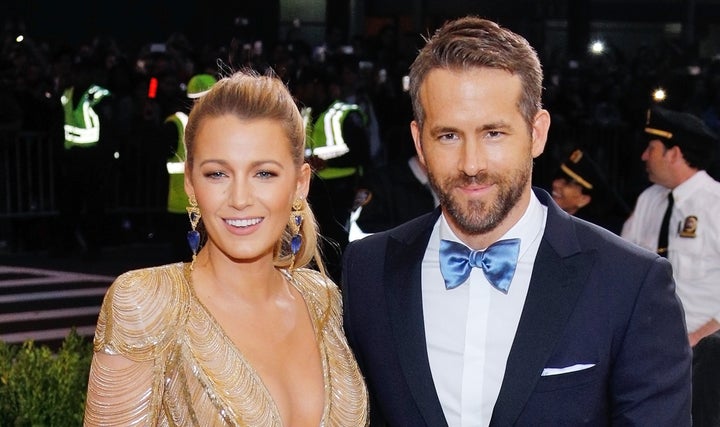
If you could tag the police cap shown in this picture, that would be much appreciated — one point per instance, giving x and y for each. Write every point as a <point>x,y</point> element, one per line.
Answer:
<point>581,169</point>
<point>677,128</point>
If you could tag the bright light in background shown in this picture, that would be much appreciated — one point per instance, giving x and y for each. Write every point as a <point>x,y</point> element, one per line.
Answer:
<point>597,47</point>
<point>694,70</point>
<point>659,95</point>
<point>19,38</point>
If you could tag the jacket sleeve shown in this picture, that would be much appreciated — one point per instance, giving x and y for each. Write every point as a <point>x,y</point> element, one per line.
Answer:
<point>651,384</point>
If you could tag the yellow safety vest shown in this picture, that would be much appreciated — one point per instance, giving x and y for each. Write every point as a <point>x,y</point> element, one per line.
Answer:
<point>177,199</point>
<point>326,138</point>
<point>82,124</point>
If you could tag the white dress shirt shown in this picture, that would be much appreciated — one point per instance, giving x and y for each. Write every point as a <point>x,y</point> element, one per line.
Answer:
<point>470,329</point>
<point>693,253</point>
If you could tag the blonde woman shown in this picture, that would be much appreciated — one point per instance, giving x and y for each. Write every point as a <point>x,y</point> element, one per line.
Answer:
<point>247,334</point>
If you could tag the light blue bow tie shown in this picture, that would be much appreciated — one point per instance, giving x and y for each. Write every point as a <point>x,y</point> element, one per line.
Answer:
<point>498,262</point>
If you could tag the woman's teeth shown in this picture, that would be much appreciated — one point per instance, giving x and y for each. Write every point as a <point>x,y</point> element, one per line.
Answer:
<point>243,222</point>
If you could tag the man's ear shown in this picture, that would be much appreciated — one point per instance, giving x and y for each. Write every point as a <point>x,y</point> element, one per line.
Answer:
<point>540,129</point>
<point>415,132</point>
<point>676,154</point>
<point>584,200</point>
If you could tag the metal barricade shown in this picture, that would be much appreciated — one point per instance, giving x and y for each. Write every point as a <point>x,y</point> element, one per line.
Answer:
<point>27,175</point>
<point>30,170</point>
<point>138,184</point>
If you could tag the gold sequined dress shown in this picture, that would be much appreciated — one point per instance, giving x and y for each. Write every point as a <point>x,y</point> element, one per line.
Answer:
<point>187,372</point>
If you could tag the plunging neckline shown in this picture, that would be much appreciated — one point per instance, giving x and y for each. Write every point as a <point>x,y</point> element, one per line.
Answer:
<point>247,365</point>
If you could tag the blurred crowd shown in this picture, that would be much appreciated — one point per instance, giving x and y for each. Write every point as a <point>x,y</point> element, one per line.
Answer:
<point>597,102</point>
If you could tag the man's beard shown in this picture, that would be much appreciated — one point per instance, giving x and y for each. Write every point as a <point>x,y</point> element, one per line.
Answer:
<point>479,217</point>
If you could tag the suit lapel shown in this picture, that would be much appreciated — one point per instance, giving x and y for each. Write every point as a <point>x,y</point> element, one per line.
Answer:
<point>557,280</point>
<point>404,292</point>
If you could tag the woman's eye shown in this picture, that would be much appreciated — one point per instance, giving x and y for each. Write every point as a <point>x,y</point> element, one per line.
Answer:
<point>215,175</point>
<point>266,174</point>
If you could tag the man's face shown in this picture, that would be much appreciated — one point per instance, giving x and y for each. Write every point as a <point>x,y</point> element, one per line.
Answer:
<point>656,161</point>
<point>568,194</point>
<point>478,149</point>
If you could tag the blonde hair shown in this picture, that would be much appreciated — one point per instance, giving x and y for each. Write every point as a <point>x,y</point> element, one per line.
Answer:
<point>248,95</point>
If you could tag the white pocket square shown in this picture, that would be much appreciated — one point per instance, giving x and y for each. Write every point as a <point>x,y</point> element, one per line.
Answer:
<point>566,370</point>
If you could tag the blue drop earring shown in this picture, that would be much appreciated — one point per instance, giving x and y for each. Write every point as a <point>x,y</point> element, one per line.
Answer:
<point>193,235</point>
<point>296,220</point>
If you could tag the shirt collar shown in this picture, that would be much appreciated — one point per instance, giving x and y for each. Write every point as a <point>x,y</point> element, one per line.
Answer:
<point>691,185</point>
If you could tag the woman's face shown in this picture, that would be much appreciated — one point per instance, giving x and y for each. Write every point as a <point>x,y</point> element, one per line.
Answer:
<point>245,181</point>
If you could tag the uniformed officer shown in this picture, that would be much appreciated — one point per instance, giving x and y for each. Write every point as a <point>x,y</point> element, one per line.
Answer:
<point>678,217</point>
<point>581,189</point>
<point>177,200</point>
<point>89,152</point>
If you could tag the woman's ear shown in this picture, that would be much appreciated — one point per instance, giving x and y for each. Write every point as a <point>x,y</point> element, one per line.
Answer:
<point>189,189</point>
<point>303,184</point>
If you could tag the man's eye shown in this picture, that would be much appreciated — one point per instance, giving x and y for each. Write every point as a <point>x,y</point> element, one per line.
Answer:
<point>447,137</point>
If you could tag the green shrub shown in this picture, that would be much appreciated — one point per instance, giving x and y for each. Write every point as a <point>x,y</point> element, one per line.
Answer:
<point>39,387</point>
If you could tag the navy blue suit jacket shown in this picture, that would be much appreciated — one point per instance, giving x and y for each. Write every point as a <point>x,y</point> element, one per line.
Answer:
<point>592,297</point>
